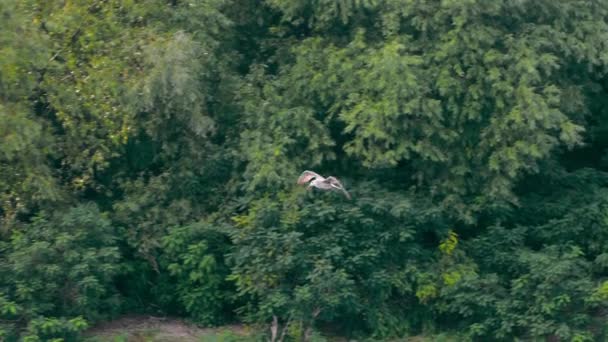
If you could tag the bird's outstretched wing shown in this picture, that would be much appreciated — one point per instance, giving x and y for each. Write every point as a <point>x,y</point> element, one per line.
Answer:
<point>336,184</point>
<point>306,176</point>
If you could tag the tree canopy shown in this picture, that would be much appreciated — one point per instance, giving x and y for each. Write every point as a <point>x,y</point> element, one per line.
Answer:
<point>149,152</point>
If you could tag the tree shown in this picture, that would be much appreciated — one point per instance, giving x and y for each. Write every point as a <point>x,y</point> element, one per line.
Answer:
<point>61,265</point>
<point>149,152</point>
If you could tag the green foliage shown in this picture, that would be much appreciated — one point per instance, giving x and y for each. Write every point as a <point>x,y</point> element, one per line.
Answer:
<point>548,297</point>
<point>326,259</point>
<point>149,151</point>
<point>449,91</point>
<point>52,329</point>
<point>26,180</point>
<point>61,264</point>
<point>194,257</point>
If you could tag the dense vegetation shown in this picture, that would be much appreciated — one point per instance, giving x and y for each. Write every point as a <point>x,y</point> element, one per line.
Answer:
<point>149,152</point>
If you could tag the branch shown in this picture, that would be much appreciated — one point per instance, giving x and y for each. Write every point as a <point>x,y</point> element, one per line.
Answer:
<point>284,330</point>
<point>274,327</point>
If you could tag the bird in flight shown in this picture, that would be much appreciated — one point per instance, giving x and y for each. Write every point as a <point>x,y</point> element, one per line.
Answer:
<point>315,180</point>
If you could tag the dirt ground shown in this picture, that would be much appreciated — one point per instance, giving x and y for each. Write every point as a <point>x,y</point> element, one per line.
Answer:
<point>159,329</point>
<point>166,329</point>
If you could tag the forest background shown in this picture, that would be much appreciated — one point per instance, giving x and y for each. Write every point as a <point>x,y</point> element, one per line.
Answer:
<point>149,152</point>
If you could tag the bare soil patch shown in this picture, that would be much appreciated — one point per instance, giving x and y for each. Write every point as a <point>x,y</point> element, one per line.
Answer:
<point>156,329</point>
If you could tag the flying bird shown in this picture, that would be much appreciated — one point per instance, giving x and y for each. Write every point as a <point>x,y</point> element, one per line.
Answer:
<point>315,180</point>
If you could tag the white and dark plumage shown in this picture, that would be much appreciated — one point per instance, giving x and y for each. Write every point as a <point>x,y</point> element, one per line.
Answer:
<point>313,179</point>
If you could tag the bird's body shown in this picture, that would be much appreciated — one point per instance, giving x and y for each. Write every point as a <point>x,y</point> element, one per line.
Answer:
<point>315,180</point>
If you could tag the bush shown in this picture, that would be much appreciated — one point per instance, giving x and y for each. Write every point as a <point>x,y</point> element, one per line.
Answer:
<point>60,265</point>
<point>194,257</point>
